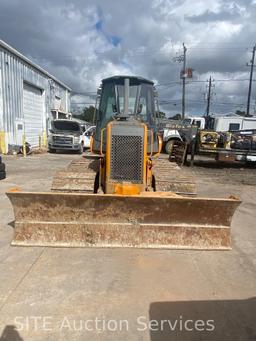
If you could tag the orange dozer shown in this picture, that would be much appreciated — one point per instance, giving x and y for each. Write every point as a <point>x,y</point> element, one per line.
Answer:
<point>131,200</point>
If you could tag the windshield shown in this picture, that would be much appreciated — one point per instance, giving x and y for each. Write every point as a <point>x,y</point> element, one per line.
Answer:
<point>140,103</point>
<point>187,121</point>
<point>146,104</point>
<point>90,131</point>
<point>66,126</point>
<point>133,93</point>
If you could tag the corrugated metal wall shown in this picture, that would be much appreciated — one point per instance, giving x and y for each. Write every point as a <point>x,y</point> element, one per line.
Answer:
<point>14,73</point>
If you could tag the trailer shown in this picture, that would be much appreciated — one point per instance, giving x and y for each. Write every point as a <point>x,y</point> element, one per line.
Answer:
<point>236,146</point>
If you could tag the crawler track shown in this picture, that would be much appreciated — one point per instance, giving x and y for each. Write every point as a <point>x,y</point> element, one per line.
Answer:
<point>80,175</point>
<point>171,178</point>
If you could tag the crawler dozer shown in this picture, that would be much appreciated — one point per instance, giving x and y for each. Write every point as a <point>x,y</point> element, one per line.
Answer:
<point>122,195</point>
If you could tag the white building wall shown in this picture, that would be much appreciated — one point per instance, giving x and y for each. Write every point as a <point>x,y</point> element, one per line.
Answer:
<point>14,73</point>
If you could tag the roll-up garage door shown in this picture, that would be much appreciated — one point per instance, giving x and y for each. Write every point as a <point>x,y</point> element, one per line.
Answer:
<point>33,113</point>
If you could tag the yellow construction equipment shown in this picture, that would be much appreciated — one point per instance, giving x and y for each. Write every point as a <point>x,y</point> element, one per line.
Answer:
<point>121,196</point>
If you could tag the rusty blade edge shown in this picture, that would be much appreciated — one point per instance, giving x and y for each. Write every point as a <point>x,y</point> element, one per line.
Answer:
<point>114,246</point>
<point>118,235</point>
<point>127,225</point>
<point>149,195</point>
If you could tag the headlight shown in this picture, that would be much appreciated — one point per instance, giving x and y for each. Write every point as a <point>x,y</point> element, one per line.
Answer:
<point>76,139</point>
<point>49,138</point>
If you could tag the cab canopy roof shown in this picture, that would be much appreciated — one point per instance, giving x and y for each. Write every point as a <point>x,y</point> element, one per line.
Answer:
<point>133,80</point>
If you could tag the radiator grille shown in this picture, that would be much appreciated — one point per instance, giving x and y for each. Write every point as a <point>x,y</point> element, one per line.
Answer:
<point>62,140</point>
<point>126,158</point>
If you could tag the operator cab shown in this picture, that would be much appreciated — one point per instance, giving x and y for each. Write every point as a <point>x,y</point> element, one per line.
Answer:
<point>126,98</point>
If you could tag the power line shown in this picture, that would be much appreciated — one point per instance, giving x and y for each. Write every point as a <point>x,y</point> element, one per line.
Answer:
<point>205,81</point>
<point>83,92</point>
<point>82,103</point>
<point>219,48</point>
<point>172,82</point>
<point>199,101</point>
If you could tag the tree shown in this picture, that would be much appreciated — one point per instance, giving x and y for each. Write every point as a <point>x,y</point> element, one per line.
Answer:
<point>176,117</point>
<point>160,114</point>
<point>87,114</point>
<point>241,113</point>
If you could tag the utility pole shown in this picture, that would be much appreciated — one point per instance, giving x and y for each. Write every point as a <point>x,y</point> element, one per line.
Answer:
<point>250,82</point>
<point>182,59</point>
<point>209,97</point>
<point>184,82</point>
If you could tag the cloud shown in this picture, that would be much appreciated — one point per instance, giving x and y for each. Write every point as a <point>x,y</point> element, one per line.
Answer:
<point>222,15</point>
<point>113,39</point>
<point>82,42</point>
<point>209,16</point>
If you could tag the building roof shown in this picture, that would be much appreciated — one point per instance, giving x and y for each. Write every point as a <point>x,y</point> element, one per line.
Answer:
<point>28,61</point>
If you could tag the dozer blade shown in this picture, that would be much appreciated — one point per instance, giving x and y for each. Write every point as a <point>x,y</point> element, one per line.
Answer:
<point>150,221</point>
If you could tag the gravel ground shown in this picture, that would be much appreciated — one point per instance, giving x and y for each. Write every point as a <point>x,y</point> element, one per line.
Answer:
<point>129,294</point>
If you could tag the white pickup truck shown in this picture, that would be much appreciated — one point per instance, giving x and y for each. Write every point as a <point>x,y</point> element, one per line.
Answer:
<point>65,135</point>
<point>170,134</point>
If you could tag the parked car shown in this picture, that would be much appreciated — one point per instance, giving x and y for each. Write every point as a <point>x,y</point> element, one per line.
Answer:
<point>86,137</point>
<point>2,169</point>
<point>65,135</point>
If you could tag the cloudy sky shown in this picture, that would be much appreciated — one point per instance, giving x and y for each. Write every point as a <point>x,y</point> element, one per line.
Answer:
<point>83,41</point>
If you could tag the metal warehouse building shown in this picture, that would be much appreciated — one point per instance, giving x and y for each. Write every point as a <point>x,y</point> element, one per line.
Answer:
<point>28,96</point>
